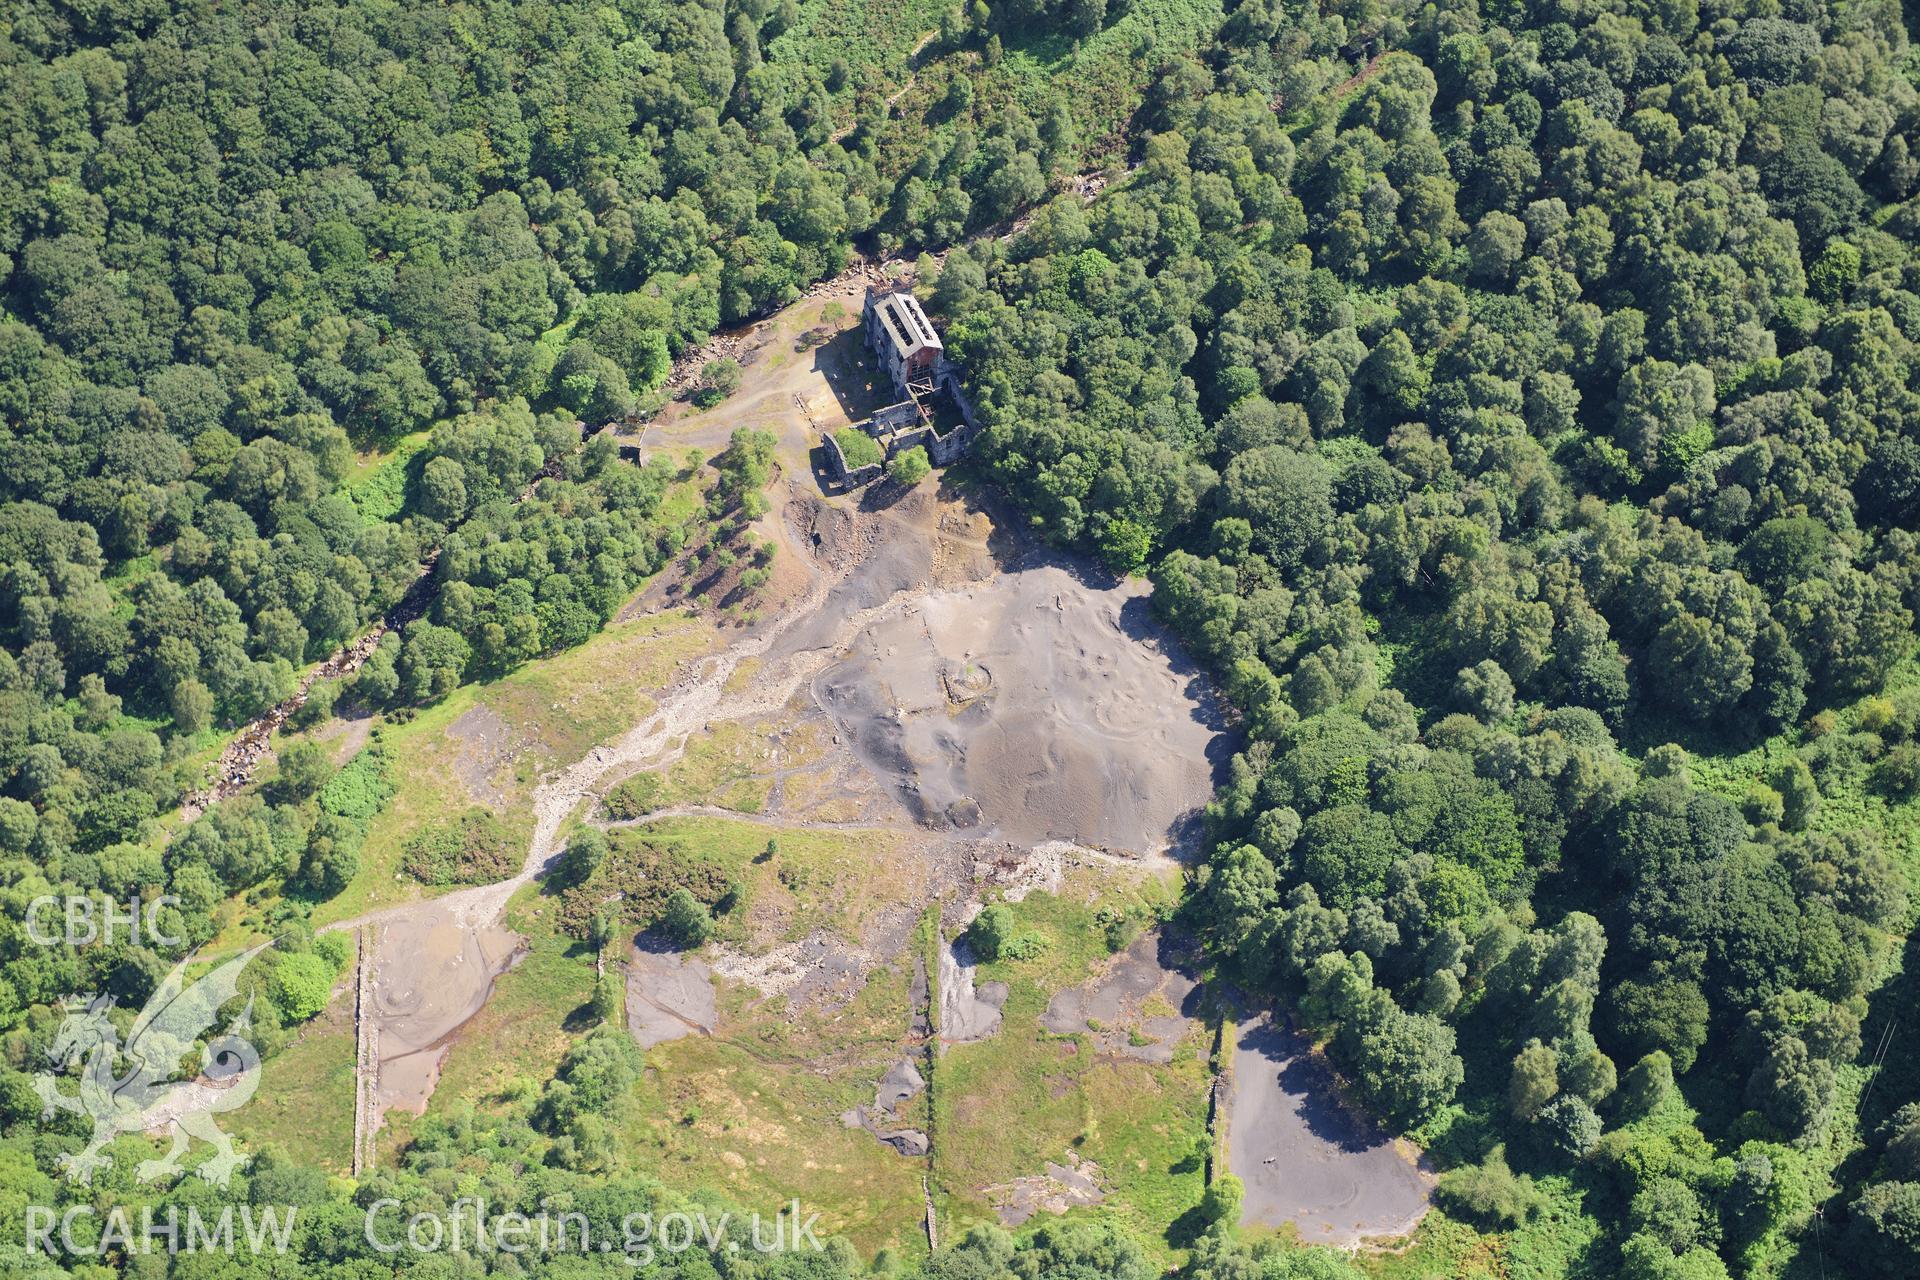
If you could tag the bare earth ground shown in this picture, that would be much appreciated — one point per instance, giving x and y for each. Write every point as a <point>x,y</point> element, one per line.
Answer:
<point>964,714</point>
<point>436,970</point>
<point>1151,983</point>
<point>345,737</point>
<point>1060,1188</point>
<point>668,996</point>
<point>487,746</point>
<point>1305,1159</point>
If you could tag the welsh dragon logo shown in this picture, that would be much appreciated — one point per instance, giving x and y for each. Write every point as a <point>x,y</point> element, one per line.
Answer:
<point>147,1097</point>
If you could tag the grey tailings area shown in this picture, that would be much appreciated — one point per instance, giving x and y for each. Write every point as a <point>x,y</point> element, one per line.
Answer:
<point>1154,966</point>
<point>1038,705</point>
<point>669,995</point>
<point>902,1083</point>
<point>1304,1157</point>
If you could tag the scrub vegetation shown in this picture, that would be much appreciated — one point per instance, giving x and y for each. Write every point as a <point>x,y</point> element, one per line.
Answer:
<point>1512,405</point>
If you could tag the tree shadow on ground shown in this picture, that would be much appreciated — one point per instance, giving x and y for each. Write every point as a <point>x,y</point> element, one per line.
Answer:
<point>853,376</point>
<point>1305,1076</point>
<point>1185,1231</point>
<point>883,494</point>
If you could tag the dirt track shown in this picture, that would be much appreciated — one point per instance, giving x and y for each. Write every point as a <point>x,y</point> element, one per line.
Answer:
<point>1009,707</point>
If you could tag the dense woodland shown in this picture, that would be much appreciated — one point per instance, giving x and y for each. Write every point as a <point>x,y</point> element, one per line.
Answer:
<point>1513,403</point>
<point>1525,431</point>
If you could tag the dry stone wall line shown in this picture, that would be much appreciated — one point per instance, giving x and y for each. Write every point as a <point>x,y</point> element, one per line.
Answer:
<point>366,1056</point>
<point>933,1236</point>
<point>1219,1091</point>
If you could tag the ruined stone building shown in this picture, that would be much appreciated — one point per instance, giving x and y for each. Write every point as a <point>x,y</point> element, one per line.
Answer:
<point>933,411</point>
<point>903,340</point>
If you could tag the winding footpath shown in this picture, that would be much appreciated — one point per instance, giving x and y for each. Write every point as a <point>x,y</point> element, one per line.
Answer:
<point>693,700</point>
<point>240,760</point>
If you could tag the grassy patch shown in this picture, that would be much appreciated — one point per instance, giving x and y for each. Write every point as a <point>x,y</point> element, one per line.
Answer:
<point>305,1102</point>
<point>519,1038</point>
<point>1108,71</point>
<point>764,1129</point>
<point>552,711</point>
<point>362,787</point>
<point>635,797</point>
<point>1069,928</point>
<point>427,789</point>
<point>638,881</point>
<point>1441,1246</point>
<point>562,707</point>
<point>726,768</point>
<point>683,500</point>
<point>1843,759</point>
<point>1008,1105</point>
<point>548,348</point>
<point>123,576</point>
<point>378,481</point>
<point>833,880</point>
<point>876,36</point>
<point>755,1110</point>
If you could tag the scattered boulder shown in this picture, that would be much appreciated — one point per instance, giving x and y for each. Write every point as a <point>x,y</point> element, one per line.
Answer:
<point>1062,1187</point>
<point>901,1084</point>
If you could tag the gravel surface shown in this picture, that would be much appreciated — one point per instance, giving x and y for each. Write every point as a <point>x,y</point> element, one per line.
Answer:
<point>1304,1157</point>
<point>669,995</point>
